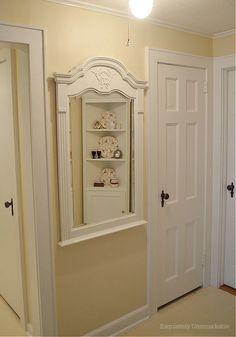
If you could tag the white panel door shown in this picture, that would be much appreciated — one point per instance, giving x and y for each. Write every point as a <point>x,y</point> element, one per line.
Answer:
<point>10,264</point>
<point>230,257</point>
<point>181,133</point>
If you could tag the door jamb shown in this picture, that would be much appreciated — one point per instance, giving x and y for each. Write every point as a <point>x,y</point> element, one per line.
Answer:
<point>153,57</point>
<point>221,66</point>
<point>41,261</point>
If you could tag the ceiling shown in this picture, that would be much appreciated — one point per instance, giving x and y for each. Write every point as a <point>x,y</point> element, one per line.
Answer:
<point>207,17</point>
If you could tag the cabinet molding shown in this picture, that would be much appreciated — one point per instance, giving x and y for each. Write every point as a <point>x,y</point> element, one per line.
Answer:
<point>104,76</point>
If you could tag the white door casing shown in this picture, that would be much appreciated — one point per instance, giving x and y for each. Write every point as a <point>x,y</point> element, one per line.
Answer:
<point>41,292</point>
<point>221,67</point>
<point>155,57</point>
<point>229,241</point>
<point>11,286</point>
<point>181,168</point>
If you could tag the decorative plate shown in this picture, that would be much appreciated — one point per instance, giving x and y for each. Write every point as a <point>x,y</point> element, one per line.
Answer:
<point>108,120</point>
<point>107,175</point>
<point>108,145</point>
<point>109,115</point>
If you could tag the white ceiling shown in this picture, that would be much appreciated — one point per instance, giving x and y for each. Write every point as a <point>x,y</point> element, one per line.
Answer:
<point>207,17</point>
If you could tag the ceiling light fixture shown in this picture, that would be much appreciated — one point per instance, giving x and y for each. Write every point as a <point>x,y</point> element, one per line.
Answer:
<point>141,8</point>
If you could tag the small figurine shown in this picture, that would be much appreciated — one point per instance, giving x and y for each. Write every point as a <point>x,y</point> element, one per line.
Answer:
<point>117,154</point>
<point>97,125</point>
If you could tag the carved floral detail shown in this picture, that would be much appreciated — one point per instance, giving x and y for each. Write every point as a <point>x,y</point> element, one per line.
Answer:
<point>104,77</point>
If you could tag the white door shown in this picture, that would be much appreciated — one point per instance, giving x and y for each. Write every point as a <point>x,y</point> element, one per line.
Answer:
<point>230,257</point>
<point>10,263</point>
<point>181,135</point>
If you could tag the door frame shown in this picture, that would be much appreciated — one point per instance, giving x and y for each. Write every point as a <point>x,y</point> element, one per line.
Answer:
<point>18,220</point>
<point>153,57</point>
<point>221,66</point>
<point>41,290</point>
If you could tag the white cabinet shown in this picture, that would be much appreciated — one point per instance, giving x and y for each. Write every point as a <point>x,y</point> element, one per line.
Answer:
<point>106,128</point>
<point>103,84</point>
<point>105,204</point>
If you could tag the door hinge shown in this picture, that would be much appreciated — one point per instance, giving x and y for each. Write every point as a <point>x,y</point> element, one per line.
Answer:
<point>203,260</point>
<point>205,87</point>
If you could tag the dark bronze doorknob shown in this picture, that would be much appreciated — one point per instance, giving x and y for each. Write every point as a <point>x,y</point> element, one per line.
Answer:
<point>231,189</point>
<point>164,196</point>
<point>10,204</point>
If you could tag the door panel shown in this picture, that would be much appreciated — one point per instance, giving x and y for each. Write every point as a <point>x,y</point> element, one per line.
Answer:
<point>10,263</point>
<point>181,133</point>
<point>191,160</point>
<point>190,246</point>
<point>172,94</point>
<point>172,160</point>
<point>230,254</point>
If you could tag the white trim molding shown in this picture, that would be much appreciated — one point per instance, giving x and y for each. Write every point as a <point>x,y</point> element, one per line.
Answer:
<point>223,34</point>
<point>40,267</point>
<point>81,79</point>
<point>153,57</point>
<point>91,7</point>
<point>123,324</point>
<point>221,64</point>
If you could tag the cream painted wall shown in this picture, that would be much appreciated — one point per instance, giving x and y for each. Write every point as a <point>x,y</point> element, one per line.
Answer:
<point>224,45</point>
<point>74,34</point>
<point>101,279</point>
<point>77,34</point>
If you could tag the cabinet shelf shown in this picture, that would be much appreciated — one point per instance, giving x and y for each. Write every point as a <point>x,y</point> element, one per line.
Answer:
<point>110,189</point>
<point>107,159</point>
<point>106,130</point>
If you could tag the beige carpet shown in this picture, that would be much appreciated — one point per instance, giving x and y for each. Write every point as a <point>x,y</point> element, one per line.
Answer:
<point>9,322</point>
<point>205,312</point>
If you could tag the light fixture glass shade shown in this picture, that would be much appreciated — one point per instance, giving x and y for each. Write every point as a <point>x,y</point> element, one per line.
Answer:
<point>141,8</point>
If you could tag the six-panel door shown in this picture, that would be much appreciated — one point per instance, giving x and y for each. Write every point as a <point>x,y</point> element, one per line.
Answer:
<point>181,135</point>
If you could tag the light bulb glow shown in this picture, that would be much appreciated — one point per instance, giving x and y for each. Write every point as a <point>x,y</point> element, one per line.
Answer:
<point>141,8</point>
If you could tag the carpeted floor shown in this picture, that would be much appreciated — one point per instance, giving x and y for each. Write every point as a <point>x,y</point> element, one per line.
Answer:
<point>9,322</point>
<point>205,312</point>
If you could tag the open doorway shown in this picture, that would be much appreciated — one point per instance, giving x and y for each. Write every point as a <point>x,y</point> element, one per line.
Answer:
<point>14,104</point>
<point>29,202</point>
<point>228,207</point>
<point>223,215</point>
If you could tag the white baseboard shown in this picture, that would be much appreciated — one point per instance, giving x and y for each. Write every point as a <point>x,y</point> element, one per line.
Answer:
<point>29,331</point>
<point>122,324</point>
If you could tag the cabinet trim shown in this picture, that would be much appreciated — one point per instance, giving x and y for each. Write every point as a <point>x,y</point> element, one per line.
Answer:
<point>94,235</point>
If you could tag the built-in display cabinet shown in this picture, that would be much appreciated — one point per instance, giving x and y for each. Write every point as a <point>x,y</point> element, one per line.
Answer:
<point>100,150</point>
<point>106,158</point>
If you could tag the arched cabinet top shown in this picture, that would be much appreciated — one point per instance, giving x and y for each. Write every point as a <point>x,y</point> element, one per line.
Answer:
<point>101,74</point>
